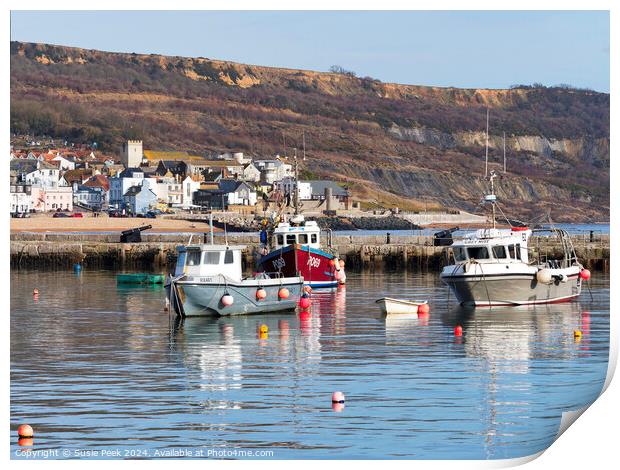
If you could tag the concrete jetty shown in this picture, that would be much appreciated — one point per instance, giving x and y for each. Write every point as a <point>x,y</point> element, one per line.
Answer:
<point>158,251</point>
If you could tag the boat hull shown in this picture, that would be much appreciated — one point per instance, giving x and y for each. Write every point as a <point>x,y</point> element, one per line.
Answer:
<point>513,289</point>
<point>194,298</point>
<point>398,306</point>
<point>310,263</point>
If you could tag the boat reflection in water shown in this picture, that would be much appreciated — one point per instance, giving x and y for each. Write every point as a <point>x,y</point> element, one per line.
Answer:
<point>507,341</point>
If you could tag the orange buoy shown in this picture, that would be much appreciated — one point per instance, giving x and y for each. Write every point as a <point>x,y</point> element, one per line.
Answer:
<point>584,274</point>
<point>264,329</point>
<point>332,262</point>
<point>25,430</point>
<point>283,293</point>
<point>261,294</point>
<point>304,302</point>
<point>35,291</point>
<point>423,309</point>
<point>458,330</point>
<point>262,335</point>
<point>337,397</point>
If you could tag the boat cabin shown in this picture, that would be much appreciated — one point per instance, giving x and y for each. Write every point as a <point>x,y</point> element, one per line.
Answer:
<point>305,233</point>
<point>209,260</point>
<point>493,246</point>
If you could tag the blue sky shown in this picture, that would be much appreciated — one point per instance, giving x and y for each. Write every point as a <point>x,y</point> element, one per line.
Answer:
<point>453,48</point>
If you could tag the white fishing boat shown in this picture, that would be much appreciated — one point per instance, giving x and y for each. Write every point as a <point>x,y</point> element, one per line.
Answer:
<point>492,266</point>
<point>208,281</point>
<point>391,306</point>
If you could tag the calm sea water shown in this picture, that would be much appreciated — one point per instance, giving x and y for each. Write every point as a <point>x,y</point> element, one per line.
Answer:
<point>95,366</point>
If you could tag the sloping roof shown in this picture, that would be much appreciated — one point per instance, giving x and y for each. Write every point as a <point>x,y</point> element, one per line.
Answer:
<point>133,190</point>
<point>318,187</point>
<point>78,175</point>
<point>129,172</point>
<point>165,155</point>
<point>98,181</point>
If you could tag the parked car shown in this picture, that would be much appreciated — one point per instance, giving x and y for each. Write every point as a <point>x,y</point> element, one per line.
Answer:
<point>60,214</point>
<point>78,215</point>
<point>150,215</point>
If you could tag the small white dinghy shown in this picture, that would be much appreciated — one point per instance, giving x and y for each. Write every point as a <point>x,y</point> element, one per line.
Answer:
<point>391,306</point>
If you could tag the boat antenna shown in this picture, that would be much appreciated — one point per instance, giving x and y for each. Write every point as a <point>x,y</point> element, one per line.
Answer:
<point>296,185</point>
<point>303,138</point>
<point>486,152</point>
<point>211,225</point>
<point>504,152</point>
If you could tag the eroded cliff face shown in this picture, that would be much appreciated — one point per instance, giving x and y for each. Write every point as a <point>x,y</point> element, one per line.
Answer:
<point>393,144</point>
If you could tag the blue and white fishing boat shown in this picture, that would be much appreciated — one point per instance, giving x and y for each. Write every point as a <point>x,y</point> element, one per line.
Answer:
<point>208,281</point>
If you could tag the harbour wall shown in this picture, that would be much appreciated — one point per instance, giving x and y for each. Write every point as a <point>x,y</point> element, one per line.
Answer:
<point>158,251</point>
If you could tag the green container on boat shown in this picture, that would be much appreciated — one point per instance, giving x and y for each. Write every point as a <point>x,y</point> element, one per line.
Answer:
<point>140,278</point>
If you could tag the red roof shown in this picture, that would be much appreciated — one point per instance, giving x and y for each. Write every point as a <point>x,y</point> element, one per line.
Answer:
<point>98,181</point>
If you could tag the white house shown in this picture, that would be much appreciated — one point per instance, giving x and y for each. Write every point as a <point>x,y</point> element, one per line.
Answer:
<point>189,188</point>
<point>127,178</point>
<point>46,176</point>
<point>21,198</point>
<point>287,186</point>
<point>64,163</point>
<point>272,170</point>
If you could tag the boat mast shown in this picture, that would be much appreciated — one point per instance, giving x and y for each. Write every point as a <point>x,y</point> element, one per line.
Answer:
<point>504,152</point>
<point>486,152</point>
<point>296,185</point>
<point>493,193</point>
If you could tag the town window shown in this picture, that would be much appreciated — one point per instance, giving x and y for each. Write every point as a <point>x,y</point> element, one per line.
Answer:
<point>193,258</point>
<point>499,252</point>
<point>290,239</point>
<point>478,252</point>
<point>303,238</point>
<point>211,257</point>
<point>228,257</point>
<point>313,238</point>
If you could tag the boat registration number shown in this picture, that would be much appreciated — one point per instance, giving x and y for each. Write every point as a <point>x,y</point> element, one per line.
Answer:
<point>278,263</point>
<point>313,262</point>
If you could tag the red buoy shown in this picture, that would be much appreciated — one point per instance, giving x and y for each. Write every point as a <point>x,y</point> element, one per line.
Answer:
<point>261,293</point>
<point>584,274</point>
<point>35,291</point>
<point>283,293</point>
<point>423,309</point>
<point>332,262</point>
<point>25,431</point>
<point>304,302</point>
<point>458,330</point>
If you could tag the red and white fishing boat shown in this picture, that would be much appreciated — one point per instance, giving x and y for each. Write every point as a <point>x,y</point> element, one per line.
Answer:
<point>294,248</point>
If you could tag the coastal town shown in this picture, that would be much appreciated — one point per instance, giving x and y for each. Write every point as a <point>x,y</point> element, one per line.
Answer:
<point>138,182</point>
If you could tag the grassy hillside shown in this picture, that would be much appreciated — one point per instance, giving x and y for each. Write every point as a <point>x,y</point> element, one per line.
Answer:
<point>392,143</point>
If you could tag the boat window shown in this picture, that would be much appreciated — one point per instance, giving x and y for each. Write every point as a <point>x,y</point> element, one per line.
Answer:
<point>499,252</point>
<point>211,257</point>
<point>459,254</point>
<point>228,257</point>
<point>511,251</point>
<point>280,239</point>
<point>303,238</point>
<point>290,239</point>
<point>478,252</point>
<point>518,250</point>
<point>313,238</point>
<point>193,258</point>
